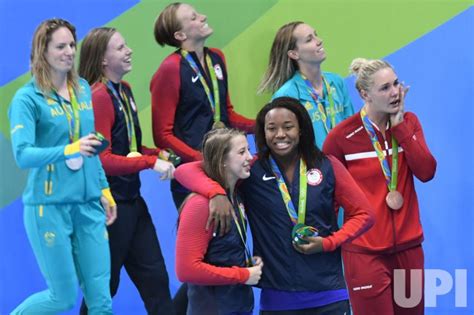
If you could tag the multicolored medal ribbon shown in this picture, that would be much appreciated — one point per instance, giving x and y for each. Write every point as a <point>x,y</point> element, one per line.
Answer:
<point>242,229</point>
<point>394,199</point>
<point>323,111</point>
<point>300,229</point>
<point>76,161</point>
<point>129,122</point>
<point>214,101</point>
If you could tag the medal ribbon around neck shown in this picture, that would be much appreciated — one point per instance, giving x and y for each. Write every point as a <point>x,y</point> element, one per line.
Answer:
<point>295,218</point>
<point>390,176</point>
<point>321,108</point>
<point>213,101</point>
<point>127,109</point>
<point>242,229</point>
<point>74,120</point>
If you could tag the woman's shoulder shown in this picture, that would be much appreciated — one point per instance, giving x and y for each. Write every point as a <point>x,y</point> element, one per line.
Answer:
<point>289,88</point>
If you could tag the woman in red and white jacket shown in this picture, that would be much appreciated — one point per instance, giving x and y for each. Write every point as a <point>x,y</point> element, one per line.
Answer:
<point>369,144</point>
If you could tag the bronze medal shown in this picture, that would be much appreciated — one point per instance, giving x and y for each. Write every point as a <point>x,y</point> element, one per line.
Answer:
<point>394,200</point>
<point>75,164</point>
<point>134,154</point>
<point>218,125</point>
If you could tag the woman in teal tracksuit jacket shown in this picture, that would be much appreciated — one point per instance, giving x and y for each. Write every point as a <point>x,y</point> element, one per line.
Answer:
<point>51,121</point>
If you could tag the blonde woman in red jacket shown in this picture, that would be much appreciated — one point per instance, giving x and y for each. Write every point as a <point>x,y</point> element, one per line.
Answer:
<point>369,144</point>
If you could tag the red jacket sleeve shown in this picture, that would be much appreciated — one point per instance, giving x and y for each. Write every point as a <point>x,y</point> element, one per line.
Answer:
<point>358,213</point>
<point>164,88</point>
<point>236,120</point>
<point>104,120</point>
<point>150,151</point>
<point>191,246</point>
<point>192,176</point>
<point>410,137</point>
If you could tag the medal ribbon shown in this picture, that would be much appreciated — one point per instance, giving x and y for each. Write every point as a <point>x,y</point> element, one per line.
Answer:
<point>215,105</point>
<point>321,108</point>
<point>74,120</point>
<point>390,176</point>
<point>127,109</point>
<point>242,229</point>
<point>295,218</point>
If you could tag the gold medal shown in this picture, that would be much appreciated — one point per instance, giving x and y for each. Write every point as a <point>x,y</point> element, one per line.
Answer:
<point>394,200</point>
<point>134,154</point>
<point>218,125</point>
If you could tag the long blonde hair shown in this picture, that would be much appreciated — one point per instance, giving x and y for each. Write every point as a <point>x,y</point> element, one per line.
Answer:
<point>40,67</point>
<point>280,66</point>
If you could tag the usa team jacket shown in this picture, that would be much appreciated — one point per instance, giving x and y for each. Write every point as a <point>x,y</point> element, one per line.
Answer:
<point>181,113</point>
<point>39,134</point>
<point>122,172</point>
<point>349,143</point>
<point>284,268</point>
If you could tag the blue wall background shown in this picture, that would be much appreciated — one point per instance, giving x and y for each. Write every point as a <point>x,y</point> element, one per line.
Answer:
<point>438,66</point>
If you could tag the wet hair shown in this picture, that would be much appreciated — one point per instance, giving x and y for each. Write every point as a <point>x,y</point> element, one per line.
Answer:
<point>40,68</point>
<point>215,148</point>
<point>166,25</point>
<point>280,66</point>
<point>307,148</point>
<point>93,49</point>
<point>363,69</point>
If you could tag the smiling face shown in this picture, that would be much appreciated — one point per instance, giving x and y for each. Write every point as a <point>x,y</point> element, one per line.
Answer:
<point>117,58</point>
<point>61,50</point>
<point>194,27</point>
<point>383,96</point>
<point>282,132</point>
<point>237,161</point>
<point>309,47</point>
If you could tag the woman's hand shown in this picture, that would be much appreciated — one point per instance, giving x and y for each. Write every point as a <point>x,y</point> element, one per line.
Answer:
<point>87,144</point>
<point>255,271</point>
<point>220,212</point>
<point>315,245</point>
<point>397,118</point>
<point>165,168</point>
<point>110,211</point>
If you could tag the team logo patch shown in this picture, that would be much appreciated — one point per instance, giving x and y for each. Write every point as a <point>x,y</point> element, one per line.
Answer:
<point>218,71</point>
<point>314,176</point>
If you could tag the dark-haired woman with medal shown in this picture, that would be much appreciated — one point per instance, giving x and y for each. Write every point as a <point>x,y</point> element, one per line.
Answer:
<point>218,269</point>
<point>52,133</point>
<point>294,70</point>
<point>383,147</point>
<point>105,60</point>
<point>189,91</point>
<point>292,199</point>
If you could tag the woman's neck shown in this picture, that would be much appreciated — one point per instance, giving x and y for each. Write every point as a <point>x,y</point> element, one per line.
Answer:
<point>231,186</point>
<point>59,81</point>
<point>378,118</point>
<point>197,48</point>
<point>287,164</point>
<point>114,77</point>
<point>313,73</point>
